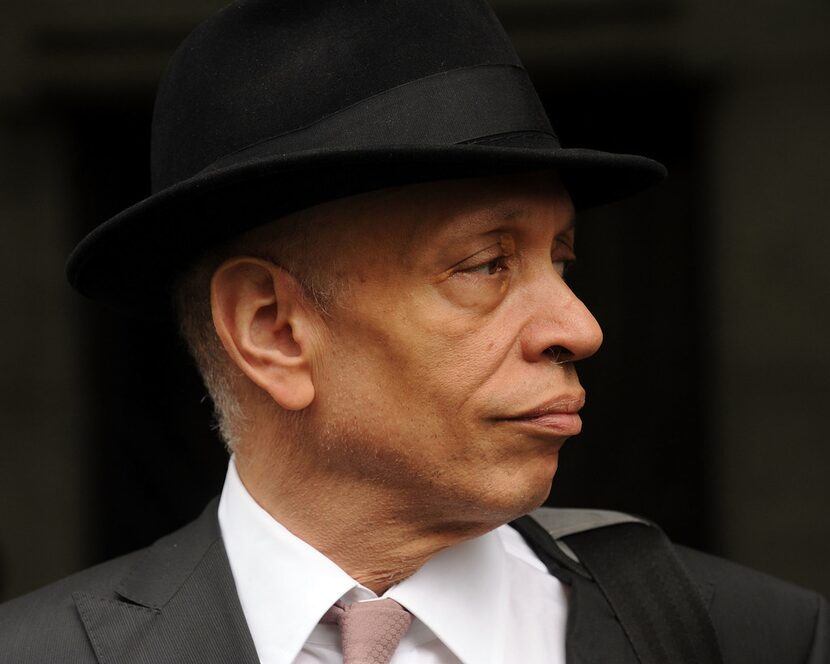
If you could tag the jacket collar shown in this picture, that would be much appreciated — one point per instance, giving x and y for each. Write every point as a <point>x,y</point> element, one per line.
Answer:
<point>178,603</point>
<point>593,634</point>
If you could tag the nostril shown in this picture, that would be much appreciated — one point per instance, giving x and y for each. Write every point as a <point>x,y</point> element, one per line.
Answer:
<point>558,354</point>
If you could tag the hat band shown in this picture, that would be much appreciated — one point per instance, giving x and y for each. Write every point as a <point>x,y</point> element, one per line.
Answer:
<point>458,106</point>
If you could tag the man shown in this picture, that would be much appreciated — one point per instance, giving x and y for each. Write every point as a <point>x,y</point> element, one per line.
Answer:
<point>363,220</point>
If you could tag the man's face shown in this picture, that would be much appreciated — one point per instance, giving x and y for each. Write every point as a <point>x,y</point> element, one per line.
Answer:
<point>448,368</point>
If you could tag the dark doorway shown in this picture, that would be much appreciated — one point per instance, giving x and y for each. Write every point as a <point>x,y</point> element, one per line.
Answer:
<point>642,270</point>
<point>157,458</point>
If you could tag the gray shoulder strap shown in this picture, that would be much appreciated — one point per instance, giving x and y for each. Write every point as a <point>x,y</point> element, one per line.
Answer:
<point>560,522</point>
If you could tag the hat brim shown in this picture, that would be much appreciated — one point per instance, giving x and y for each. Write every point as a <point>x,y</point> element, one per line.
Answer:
<point>130,261</point>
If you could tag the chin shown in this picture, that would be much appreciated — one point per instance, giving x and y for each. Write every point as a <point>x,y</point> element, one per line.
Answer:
<point>521,492</point>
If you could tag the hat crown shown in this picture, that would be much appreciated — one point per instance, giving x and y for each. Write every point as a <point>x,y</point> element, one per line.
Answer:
<point>262,68</point>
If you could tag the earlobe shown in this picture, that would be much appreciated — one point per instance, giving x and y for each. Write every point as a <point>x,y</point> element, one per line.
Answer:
<point>263,320</point>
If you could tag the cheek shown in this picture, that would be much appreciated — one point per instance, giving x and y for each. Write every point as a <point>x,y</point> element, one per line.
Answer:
<point>421,354</point>
<point>462,371</point>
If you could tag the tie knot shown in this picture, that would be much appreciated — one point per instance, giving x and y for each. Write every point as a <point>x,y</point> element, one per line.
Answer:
<point>370,631</point>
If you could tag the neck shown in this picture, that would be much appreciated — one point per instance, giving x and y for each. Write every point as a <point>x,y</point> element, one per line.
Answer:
<point>377,534</point>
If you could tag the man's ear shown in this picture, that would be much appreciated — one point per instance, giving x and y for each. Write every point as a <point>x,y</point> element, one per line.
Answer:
<point>264,322</point>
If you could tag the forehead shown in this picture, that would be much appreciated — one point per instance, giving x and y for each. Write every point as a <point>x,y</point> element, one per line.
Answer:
<point>404,217</point>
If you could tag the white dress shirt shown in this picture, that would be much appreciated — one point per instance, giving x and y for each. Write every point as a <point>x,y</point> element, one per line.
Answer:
<point>485,601</point>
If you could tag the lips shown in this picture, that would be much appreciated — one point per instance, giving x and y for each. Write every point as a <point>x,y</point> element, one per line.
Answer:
<point>559,424</point>
<point>558,416</point>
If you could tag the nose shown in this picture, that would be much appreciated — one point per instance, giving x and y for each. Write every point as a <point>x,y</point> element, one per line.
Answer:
<point>560,327</point>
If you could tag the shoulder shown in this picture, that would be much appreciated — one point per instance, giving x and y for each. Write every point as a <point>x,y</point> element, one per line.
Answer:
<point>753,610</point>
<point>48,626</point>
<point>44,626</point>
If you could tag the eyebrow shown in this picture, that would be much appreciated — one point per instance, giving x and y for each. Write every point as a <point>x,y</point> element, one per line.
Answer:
<point>512,212</point>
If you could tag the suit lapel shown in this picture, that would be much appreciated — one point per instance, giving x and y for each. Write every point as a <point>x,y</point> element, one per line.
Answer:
<point>177,604</point>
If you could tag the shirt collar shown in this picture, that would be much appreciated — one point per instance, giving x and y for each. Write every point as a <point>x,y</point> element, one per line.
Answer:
<point>461,595</point>
<point>285,585</point>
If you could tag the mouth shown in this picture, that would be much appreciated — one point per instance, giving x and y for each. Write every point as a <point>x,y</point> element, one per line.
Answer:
<point>559,416</point>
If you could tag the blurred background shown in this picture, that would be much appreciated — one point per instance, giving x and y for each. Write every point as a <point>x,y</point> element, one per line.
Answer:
<point>708,404</point>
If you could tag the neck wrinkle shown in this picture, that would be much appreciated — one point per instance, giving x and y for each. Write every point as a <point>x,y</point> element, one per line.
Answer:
<point>372,535</point>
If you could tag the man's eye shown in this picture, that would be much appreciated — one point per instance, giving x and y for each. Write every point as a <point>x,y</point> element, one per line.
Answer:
<point>490,267</point>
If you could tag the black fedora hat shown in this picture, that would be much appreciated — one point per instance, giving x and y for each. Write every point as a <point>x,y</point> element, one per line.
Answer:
<point>275,105</point>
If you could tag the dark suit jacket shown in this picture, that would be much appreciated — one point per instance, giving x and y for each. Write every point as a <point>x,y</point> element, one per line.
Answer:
<point>176,602</point>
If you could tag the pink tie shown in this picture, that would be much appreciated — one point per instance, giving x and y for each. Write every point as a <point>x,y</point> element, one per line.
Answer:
<point>370,631</point>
